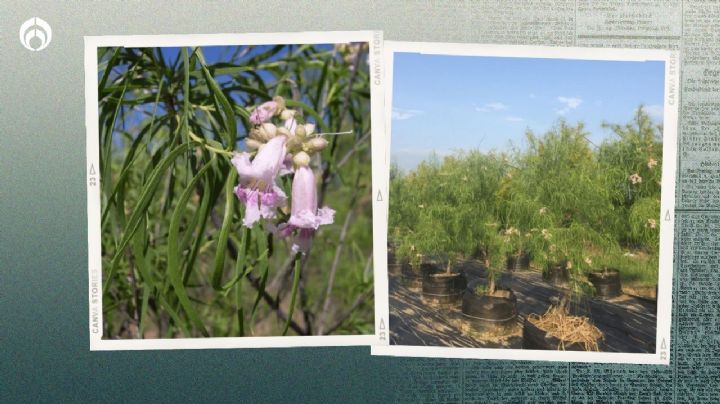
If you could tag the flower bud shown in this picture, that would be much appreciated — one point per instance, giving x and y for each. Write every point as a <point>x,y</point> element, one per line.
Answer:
<point>255,134</point>
<point>252,144</point>
<point>309,129</point>
<point>301,159</point>
<point>294,144</point>
<point>267,131</point>
<point>315,144</point>
<point>283,131</point>
<point>287,114</point>
<point>300,131</point>
<point>280,103</point>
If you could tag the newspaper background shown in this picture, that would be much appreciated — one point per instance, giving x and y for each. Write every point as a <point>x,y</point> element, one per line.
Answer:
<point>44,254</point>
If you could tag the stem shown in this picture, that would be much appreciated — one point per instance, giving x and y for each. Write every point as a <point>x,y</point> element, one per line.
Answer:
<point>296,281</point>
<point>274,304</point>
<point>333,270</point>
<point>337,133</point>
<point>491,278</point>
<point>207,146</point>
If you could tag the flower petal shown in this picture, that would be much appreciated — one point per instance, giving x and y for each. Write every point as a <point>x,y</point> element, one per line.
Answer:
<point>242,164</point>
<point>303,241</point>
<point>325,215</point>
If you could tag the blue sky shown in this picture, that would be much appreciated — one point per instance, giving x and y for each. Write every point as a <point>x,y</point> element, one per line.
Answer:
<point>213,55</point>
<point>445,103</point>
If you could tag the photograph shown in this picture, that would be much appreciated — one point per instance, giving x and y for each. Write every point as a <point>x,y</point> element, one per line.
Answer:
<point>525,201</point>
<point>235,189</point>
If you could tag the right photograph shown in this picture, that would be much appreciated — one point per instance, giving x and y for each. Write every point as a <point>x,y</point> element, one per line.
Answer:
<point>526,201</point>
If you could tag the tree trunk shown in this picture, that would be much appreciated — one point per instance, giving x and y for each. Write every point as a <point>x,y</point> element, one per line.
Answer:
<point>491,278</point>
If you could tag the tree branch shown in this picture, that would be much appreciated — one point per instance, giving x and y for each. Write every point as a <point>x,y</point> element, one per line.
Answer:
<point>358,301</point>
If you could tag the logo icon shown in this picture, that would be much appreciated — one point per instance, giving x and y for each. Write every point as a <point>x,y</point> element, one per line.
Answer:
<point>35,34</point>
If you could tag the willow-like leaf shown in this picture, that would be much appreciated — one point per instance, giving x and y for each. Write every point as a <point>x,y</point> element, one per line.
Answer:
<point>140,208</point>
<point>219,263</point>
<point>308,109</point>
<point>219,97</point>
<point>174,272</point>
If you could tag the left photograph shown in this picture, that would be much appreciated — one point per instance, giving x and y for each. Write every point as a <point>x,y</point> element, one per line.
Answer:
<point>235,191</point>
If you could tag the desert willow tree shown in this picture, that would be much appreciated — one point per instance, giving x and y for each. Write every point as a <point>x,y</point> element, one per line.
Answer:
<point>632,161</point>
<point>565,196</point>
<point>217,165</point>
<point>484,173</point>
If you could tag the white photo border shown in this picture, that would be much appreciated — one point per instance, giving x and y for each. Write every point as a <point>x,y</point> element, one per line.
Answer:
<point>661,356</point>
<point>379,168</point>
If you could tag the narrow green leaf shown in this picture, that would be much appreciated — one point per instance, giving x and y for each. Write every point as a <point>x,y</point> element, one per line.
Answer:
<point>210,194</point>
<point>140,208</point>
<point>174,272</point>
<point>219,263</point>
<point>186,93</point>
<point>306,108</point>
<point>108,69</point>
<point>321,86</point>
<point>219,97</point>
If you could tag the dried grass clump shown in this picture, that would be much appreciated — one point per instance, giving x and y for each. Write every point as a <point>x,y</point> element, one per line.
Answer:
<point>568,329</point>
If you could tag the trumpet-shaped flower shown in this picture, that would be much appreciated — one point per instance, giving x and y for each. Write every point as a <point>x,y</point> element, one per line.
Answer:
<point>304,213</point>
<point>257,187</point>
<point>635,178</point>
<point>264,112</point>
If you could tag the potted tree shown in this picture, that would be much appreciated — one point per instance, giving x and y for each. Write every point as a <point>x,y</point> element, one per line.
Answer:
<point>410,263</point>
<point>488,308</point>
<point>446,235</point>
<point>563,174</point>
<point>632,162</point>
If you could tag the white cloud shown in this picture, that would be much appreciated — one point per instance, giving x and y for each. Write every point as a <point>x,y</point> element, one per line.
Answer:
<point>401,114</point>
<point>656,112</point>
<point>492,106</point>
<point>570,103</point>
<point>511,118</point>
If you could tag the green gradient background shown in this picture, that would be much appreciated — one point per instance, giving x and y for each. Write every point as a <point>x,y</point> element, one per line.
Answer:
<point>44,348</point>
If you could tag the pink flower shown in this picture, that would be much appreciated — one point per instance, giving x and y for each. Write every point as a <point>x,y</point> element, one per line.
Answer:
<point>257,187</point>
<point>635,178</point>
<point>291,125</point>
<point>264,112</point>
<point>304,213</point>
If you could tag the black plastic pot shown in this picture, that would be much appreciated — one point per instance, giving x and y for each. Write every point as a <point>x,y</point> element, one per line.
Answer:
<point>444,289</point>
<point>473,269</point>
<point>411,276</point>
<point>391,259</point>
<point>557,274</point>
<point>489,314</point>
<point>394,268</point>
<point>606,283</point>
<point>518,262</point>
<point>536,338</point>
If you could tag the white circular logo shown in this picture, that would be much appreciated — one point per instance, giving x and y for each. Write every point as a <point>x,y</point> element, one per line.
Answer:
<point>35,34</point>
